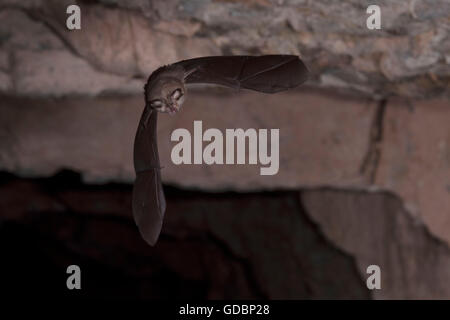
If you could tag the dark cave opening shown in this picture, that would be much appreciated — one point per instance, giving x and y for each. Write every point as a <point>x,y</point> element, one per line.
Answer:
<point>213,245</point>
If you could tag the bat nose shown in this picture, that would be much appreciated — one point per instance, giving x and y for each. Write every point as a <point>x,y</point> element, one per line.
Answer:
<point>172,108</point>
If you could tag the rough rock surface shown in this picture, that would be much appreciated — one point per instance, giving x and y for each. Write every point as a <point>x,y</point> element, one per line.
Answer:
<point>415,160</point>
<point>407,57</point>
<point>376,230</point>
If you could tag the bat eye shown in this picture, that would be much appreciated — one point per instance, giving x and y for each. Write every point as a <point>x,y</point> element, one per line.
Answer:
<point>177,94</point>
<point>156,104</point>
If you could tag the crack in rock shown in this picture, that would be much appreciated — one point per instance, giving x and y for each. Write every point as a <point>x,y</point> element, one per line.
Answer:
<point>371,160</point>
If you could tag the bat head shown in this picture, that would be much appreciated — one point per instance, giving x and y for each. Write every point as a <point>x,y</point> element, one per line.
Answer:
<point>166,92</point>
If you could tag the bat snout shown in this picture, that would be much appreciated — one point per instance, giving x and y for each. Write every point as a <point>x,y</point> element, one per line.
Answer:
<point>173,108</point>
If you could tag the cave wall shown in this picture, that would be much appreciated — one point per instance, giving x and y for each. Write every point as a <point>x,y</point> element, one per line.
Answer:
<point>123,41</point>
<point>364,146</point>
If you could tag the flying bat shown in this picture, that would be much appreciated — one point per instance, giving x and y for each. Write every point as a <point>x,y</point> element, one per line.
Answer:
<point>165,92</point>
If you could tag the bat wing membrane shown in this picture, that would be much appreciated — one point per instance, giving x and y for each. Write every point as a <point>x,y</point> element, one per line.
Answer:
<point>269,73</point>
<point>148,202</point>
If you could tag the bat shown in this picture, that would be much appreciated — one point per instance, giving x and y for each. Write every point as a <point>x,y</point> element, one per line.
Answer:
<point>165,92</point>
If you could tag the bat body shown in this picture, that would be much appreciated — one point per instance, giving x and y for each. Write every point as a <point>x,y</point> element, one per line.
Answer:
<point>165,93</point>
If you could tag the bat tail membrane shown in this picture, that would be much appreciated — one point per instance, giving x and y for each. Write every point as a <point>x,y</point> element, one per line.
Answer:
<point>149,204</point>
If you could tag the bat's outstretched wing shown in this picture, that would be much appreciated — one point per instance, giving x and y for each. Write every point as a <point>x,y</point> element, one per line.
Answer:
<point>149,203</point>
<point>269,73</point>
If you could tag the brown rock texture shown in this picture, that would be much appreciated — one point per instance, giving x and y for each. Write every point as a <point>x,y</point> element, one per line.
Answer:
<point>376,230</point>
<point>415,160</point>
<point>408,56</point>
